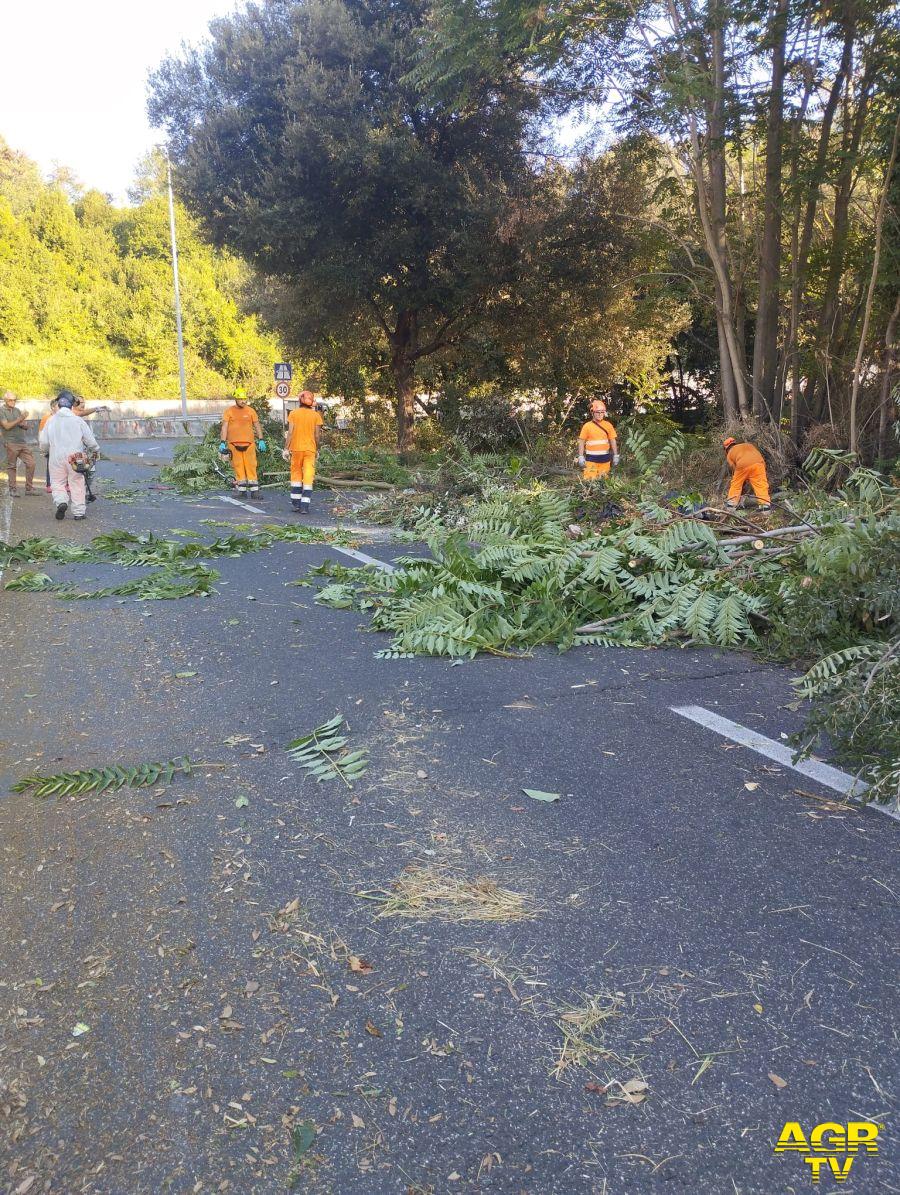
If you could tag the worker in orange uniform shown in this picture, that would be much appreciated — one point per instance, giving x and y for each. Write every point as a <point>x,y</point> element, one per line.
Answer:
<point>598,448</point>
<point>746,464</point>
<point>240,428</point>
<point>301,443</point>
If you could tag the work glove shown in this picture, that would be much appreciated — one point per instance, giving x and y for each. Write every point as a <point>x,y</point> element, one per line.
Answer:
<point>615,458</point>
<point>223,447</point>
<point>285,454</point>
<point>261,445</point>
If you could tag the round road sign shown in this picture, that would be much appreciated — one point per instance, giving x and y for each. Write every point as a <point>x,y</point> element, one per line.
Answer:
<point>282,390</point>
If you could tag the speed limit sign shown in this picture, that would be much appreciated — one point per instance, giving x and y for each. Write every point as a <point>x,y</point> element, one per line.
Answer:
<point>282,389</point>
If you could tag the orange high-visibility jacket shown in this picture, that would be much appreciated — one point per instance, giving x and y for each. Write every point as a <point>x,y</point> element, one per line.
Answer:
<point>744,456</point>
<point>303,423</point>
<point>599,438</point>
<point>239,423</point>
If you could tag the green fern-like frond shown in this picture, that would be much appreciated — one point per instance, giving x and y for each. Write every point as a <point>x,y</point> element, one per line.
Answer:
<point>101,780</point>
<point>322,753</point>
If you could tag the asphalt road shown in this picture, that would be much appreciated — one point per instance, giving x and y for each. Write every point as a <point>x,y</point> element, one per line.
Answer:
<point>737,946</point>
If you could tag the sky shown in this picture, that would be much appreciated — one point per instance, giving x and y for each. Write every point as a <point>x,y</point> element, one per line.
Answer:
<point>73,80</point>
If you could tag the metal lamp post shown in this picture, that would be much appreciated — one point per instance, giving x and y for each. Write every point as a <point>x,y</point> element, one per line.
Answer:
<point>181,376</point>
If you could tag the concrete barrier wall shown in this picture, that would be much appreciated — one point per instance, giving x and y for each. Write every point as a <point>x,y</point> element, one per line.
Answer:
<point>141,429</point>
<point>142,408</point>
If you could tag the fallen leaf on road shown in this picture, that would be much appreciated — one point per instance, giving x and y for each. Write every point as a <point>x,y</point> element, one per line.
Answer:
<point>632,1092</point>
<point>751,785</point>
<point>80,1028</point>
<point>25,1186</point>
<point>758,1007</point>
<point>227,1013</point>
<point>359,964</point>
<point>537,795</point>
<point>373,1030</point>
<point>777,1080</point>
<point>595,1088</point>
<point>184,675</point>
<point>358,1122</point>
<point>302,1137</point>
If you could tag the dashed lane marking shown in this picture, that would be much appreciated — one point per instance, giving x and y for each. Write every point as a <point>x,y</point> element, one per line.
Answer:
<point>361,556</point>
<point>822,773</point>
<point>257,510</point>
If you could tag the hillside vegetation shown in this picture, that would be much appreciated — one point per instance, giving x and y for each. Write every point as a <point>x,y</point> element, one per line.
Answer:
<point>86,294</point>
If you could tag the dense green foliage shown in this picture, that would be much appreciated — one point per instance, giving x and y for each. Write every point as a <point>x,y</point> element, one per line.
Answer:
<point>86,295</point>
<point>414,240</point>
<point>769,138</point>
<point>854,696</point>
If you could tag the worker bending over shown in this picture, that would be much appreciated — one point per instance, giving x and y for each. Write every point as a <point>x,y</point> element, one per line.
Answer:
<point>746,464</point>
<point>240,425</point>
<point>598,448</point>
<point>301,443</point>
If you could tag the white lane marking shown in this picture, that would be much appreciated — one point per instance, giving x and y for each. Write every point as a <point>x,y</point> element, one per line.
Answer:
<point>823,773</point>
<point>382,564</point>
<point>257,510</point>
<point>6,505</point>
<point>360,556</point>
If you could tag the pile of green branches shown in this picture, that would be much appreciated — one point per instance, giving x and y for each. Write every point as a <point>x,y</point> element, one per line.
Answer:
<point>362,463</point>
<point>177,561</point>
<point>188,580</point>
<point>513,572</point>
<point>131,549</point>
<point>516,575</point>
<point>196,465</point>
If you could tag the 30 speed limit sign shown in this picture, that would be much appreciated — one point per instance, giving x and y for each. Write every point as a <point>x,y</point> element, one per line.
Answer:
<point>282,389</point>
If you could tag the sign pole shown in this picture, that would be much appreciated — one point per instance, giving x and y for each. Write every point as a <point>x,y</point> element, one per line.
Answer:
<point>181,377</point>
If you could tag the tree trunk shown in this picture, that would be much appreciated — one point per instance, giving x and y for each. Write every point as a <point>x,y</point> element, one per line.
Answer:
<point>803,241</point>
<point>730,407</point>
<point>765,344</point>
<point>404,343</point>
<point>884,404</point>
<point>870,294</point>
<point>712,202</point>
<point>828,318</point>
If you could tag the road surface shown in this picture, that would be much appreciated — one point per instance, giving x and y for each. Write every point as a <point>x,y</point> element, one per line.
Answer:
<point>191,975</point>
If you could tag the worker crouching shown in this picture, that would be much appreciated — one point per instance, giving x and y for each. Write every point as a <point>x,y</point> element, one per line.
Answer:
<point>301,444</point>
<point>240,436</point>
<point>747,465</point>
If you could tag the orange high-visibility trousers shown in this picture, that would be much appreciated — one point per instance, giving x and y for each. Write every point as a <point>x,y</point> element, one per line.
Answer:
<point>303,474</point>
<point>759,483</point>
<point>595,469</point>
<point>243,461</point>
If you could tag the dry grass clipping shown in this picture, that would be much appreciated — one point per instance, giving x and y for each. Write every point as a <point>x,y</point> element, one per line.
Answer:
<point>435,893</point>
<point>583,1028</point>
